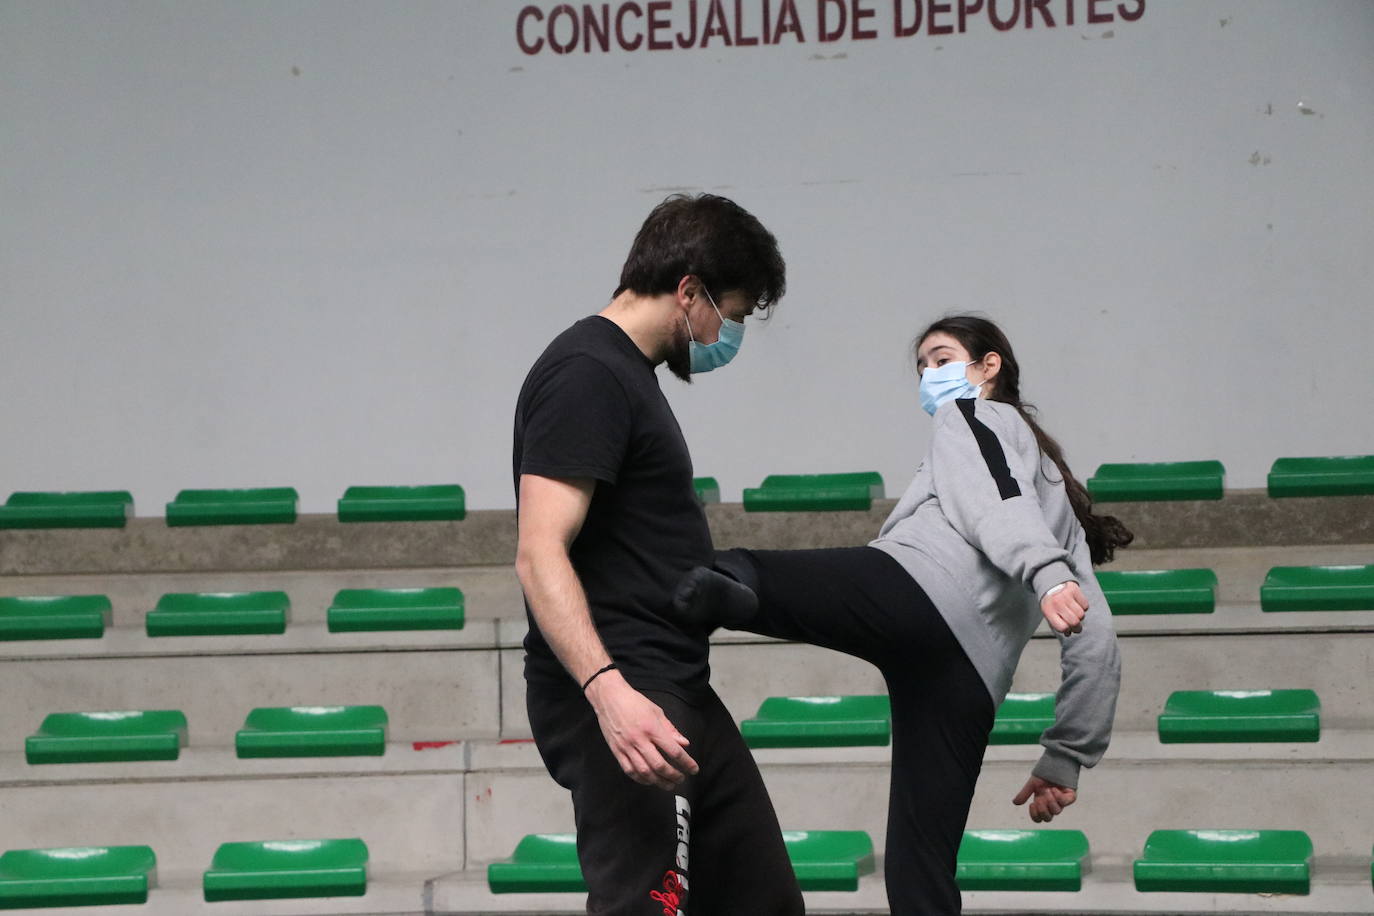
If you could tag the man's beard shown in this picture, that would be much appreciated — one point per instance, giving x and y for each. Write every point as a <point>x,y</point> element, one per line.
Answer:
<point>679,358</point>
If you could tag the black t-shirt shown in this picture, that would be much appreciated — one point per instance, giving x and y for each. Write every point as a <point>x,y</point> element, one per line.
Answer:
<point>591,408</point>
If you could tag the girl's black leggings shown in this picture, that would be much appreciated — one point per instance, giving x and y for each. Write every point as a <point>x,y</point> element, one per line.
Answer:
<point>860,601</point>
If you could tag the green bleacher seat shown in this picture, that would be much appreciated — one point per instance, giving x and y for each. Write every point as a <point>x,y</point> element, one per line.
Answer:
<point>541,862</point>
<point>263,506</point>
<point>1343,476</point>
<point>1023,860</point>
<point>1318,588</point>
<point>1160,591</point>
<point>815,492</point>
<point>102,509</point>
<point>1208,716</point>
<point>820,722</point>
<point>829,860</point>
<point>1160,481</point>
<point>76,876</point>
<point>313,731</point>
<point>102,737</point>
<point>1022,718</point>
<point>443,502</point>
<point>1226,861</point>
<point>219,614</point>
<point>708,490</point>
<point>275,869</point>
<point>824,860</point>
<point>358,610</point>
<point>54,617</point>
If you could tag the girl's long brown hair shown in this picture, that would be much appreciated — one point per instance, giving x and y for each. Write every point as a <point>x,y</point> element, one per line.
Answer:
<point>1105,533</point>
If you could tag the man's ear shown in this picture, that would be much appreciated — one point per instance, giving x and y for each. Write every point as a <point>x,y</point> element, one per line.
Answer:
<point>688,288</point>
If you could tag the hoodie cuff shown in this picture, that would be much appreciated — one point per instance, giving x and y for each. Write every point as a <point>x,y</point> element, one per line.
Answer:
<point>1050,575</point>
<point>1057,769</point>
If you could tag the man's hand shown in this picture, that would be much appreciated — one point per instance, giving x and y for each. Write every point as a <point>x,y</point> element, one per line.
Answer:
<point>1064,609</point>
<point>647,746</point>
<point>1049,799</point>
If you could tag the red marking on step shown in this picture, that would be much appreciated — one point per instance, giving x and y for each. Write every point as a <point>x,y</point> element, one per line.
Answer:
<point>430,745</point>
<point>516,741</point>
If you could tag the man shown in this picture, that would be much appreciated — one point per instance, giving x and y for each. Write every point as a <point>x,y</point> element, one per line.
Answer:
<point>672,816</point>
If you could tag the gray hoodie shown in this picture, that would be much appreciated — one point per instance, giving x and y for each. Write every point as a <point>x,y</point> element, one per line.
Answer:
<point>986,529</point>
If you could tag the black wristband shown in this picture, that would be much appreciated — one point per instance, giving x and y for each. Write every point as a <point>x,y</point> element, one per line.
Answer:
<point>587,683</point>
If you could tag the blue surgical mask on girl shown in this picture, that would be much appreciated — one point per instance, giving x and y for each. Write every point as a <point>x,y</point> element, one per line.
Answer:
<point>940,384</point>
<point>706,357</point>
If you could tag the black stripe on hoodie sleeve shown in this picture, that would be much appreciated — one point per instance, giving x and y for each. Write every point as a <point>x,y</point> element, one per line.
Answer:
<point>991,447</point>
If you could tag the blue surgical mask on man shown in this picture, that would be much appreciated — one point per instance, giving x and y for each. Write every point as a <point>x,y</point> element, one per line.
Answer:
<point>941,384</point>
<point>706,357</point>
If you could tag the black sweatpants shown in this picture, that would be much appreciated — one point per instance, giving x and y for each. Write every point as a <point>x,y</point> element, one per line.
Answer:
<point>710,848</point>
<point>860,601</point>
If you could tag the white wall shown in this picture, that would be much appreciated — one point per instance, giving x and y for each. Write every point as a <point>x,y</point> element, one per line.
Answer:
<point>319,243</point>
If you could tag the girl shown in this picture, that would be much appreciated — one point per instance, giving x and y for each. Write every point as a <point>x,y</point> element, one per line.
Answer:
<point>993,533</point>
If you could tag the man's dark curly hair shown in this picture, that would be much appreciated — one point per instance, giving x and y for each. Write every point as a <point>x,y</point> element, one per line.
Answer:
<point>712,238</point>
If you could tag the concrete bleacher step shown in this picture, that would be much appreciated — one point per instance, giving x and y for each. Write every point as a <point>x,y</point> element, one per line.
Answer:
<point>1319,662</point>
<point>823,860</point>
<point>411,819</point>
<point>487,592</point>
<point>744,671</point>
<point>1017,860</point>
<point>406,805</point>
<point>493,592</point>
<point>1341,888</point>
<point>1240,570</point>
<point>1336,889</point>
<point>747,670</point>
<point>494,801</point>
<point>486,537</point>
<point>181,894</point>
<point>850,721</point>
<point>1153,666</point>
<point>217,691</point>
<point>1244,619</point>
<point>220,763</point>
<point>299,639</point>
<point>1246,519</point>
<point>1120,801</point>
